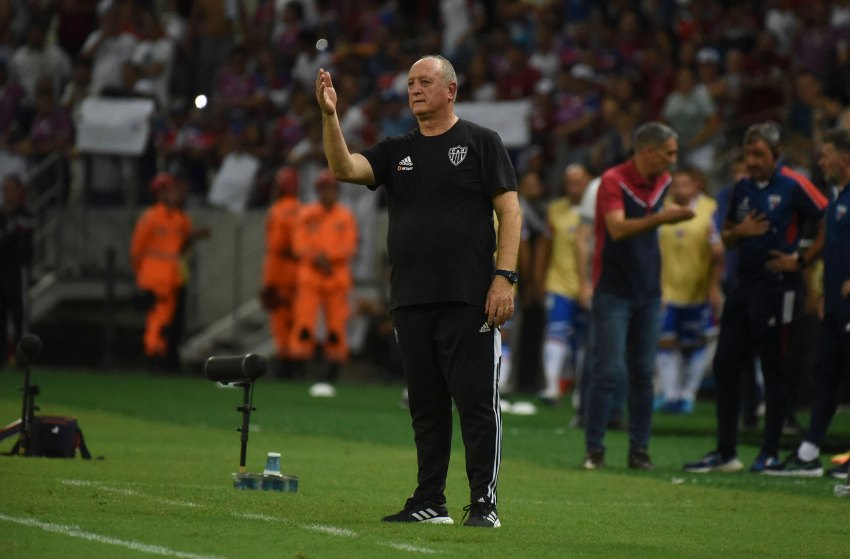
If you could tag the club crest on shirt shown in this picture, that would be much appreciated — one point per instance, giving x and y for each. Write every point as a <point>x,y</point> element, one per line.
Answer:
<point>773,201</point>
<point>840,211</point>
<point>457,154</point>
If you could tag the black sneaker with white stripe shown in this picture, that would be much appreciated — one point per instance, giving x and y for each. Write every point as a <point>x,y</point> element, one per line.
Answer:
<point>425,512</point>
<point>481,514</point>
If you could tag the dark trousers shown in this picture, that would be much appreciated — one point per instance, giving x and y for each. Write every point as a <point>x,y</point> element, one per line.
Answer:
<point>753,322</point>
<point>446,356</point>
<point>833,366</point>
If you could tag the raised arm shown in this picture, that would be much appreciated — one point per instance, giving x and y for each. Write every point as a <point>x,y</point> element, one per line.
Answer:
<point>346,166</point>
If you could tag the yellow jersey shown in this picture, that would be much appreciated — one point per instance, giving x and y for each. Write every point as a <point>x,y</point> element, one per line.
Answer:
<point>686,254</point>
<point>562,276</point>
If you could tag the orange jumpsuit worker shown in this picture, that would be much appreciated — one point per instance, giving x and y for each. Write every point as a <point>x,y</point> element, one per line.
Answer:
<point>279,266</point>
<point>161,235</point>
<point>325,240</point>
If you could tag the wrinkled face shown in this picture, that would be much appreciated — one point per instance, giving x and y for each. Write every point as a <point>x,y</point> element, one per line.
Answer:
<point>683,189</point>
<point>834,164</point>
<point>427,92</point>
<point>663,157</point>
<point>759,160</point>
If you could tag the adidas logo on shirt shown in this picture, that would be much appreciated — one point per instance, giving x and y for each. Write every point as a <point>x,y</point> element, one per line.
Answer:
<point>405,164</point>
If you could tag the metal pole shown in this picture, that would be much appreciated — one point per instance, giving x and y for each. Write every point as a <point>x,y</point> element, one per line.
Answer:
<point>246,415</point>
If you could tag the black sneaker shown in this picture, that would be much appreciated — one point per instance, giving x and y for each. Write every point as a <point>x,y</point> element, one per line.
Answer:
<point>840,472</point>
<point>481,514</point>
<point>764,461</point>
<point>794,466</point>
<point>639,460</point>
<point>594,459</point>
<point>714,462</point>
<point>425,512</point>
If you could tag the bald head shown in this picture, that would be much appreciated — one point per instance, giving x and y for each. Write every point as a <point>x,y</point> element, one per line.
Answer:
<point>576,178</point>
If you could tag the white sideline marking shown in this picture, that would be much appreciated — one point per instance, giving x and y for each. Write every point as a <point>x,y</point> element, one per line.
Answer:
<point>76,532</point>
<point>408,547</point>
<point>322,528</point>
<point>330,530</point>
<point>127,492</point>
<point>255,516</point>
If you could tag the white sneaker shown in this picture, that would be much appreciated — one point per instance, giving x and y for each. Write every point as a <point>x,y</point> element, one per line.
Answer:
<point>322,390</point>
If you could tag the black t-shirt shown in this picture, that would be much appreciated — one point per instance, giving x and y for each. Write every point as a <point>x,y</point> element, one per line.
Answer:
<point>440,188</point>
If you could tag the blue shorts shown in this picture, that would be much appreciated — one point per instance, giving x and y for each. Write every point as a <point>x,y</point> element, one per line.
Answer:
<point>688,325</point>
<point>564,317</point>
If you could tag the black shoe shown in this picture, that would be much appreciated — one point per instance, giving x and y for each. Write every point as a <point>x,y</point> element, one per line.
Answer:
<point>425,512</point>
<point>594,459</point>
<point>839,472</point>
<point>481,514</point>
<point>639,460</point>
<point>794,466</point>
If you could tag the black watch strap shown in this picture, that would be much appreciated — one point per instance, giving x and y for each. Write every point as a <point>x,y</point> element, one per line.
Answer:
<point>510,275</point>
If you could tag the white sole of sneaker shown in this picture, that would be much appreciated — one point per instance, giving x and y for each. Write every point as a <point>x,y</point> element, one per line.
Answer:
<point>438,520</point>
<point>727,468</point>
<point>697,470</point>
<point>797,473</point>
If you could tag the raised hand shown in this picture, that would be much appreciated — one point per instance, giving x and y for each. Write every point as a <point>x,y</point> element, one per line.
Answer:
<point>325,92</point>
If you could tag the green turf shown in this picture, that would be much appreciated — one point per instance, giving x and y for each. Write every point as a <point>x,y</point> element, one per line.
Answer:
<point>170,446</point>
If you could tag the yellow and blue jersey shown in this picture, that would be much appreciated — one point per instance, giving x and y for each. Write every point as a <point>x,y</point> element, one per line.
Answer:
<point>686,254</point>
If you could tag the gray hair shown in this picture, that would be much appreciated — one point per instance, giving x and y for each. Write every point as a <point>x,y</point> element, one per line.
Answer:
<point>448,71</point>
<point>768,132</point>
<point>652,134</point>
<point>838,137</point>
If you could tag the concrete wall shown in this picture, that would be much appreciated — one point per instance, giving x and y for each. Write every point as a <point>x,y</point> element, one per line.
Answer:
<point>225,269</point>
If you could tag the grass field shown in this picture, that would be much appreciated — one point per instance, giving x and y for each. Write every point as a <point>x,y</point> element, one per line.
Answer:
<point>169,446</point>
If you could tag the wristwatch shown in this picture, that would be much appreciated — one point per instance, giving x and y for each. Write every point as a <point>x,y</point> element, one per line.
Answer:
<point>510,275</point>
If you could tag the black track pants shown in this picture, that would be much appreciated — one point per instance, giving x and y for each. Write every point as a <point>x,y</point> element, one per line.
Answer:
<point>448,354</point>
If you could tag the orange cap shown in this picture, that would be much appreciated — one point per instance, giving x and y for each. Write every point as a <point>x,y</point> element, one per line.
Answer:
<point>286,181</point>
<point>325,177</point>
<point>161,181</point>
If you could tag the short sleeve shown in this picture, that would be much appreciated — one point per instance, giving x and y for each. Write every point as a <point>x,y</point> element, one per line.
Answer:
<point>378,157</point>
<point>610,197</point>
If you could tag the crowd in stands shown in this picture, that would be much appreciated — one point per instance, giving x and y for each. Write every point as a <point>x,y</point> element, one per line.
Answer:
<point>591,70</point>
<point>230,76</point>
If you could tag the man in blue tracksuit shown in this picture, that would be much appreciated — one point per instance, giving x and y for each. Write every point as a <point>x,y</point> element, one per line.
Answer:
<point>834,350</point>
<point>766,212</point>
